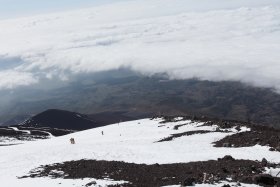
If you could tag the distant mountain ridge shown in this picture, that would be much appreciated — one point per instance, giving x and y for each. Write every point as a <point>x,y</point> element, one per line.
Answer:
<point>60,119</point>
<point>124,90</point>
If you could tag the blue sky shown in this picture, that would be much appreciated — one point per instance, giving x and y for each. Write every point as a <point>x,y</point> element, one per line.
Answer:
<point>17,8</point>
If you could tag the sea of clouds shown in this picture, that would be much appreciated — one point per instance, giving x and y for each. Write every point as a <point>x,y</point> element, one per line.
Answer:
<point>237,40</point>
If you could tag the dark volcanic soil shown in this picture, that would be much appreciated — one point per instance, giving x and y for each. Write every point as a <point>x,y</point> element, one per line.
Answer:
<point>142,175</point>
<point>53,131</point>
<point>36,133</point>
<point>4,131</point>
<point>262,135</point>
<point>258,135</point>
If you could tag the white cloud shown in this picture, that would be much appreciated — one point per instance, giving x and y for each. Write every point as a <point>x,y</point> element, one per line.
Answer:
<point>14,79</point>
<point>236,40</point>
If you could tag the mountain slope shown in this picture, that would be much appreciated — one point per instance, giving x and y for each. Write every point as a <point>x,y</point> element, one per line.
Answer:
<point>132,142</point>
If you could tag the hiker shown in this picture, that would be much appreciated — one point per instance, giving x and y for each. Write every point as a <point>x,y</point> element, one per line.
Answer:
<point>72,140</point>
<point>102,133</point>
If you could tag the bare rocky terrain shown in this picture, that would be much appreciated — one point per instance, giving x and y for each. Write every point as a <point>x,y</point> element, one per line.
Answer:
<point>258,135</point>
<point>142,175</point>
<point>22,133</point>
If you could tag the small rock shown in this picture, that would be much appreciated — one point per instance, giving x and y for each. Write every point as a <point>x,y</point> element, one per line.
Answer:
<point>264,162</point>
<point>264,179</point>
<point>91,183</point>
<point>226,185</point>
<point>256,139</point>
<point>189,182</point>
<point>238,128</point>
<point>225,170</point>
<point>253,168</point>
<point>226,145</point>
<point>228,157</point>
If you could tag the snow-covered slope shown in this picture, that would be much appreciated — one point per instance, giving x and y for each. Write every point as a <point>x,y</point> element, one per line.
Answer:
<point>134,141</point>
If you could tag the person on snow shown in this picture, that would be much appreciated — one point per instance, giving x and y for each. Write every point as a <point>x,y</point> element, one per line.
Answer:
<point>72,140</point>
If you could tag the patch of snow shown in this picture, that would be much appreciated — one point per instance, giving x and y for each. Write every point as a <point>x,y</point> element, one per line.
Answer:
<point>273,172</point>
<point>47,182</point>
<point>24,131</point>
<point>219,185</point>
<point>49,134</point>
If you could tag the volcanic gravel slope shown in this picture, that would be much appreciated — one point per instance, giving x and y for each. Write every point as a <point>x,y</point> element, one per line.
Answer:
<point>143,175</point>
<point>258,135</point>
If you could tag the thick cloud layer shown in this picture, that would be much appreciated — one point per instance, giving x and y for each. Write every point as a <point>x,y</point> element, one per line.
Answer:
<point>213,40</point>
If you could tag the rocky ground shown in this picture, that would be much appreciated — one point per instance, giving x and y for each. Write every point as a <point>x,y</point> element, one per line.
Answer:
<point>258,135</point>
<point>213,171</point>
<point>22,133</point>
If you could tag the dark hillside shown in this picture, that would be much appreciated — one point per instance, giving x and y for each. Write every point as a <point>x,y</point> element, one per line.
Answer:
<point>61,119</point>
